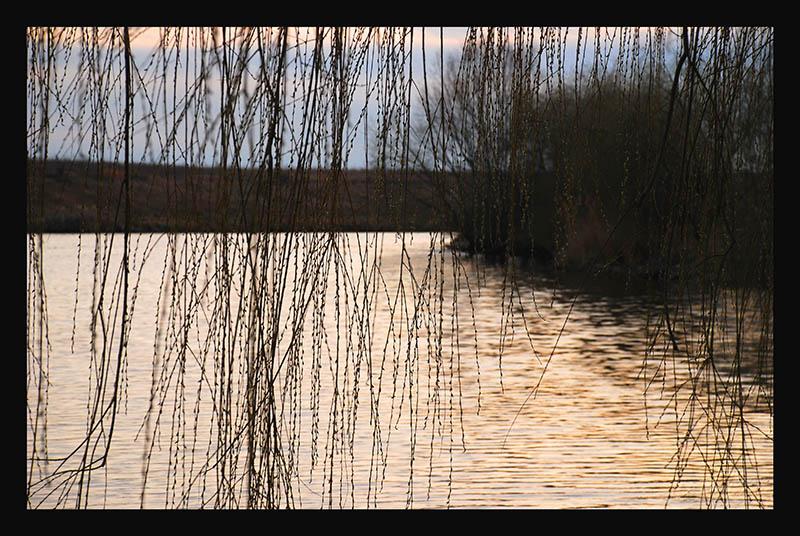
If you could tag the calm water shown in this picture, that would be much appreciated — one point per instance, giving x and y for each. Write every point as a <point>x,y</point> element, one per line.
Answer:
<point>589,437</point>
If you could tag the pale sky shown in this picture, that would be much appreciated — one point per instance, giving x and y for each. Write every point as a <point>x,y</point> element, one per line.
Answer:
<point>66,144</point>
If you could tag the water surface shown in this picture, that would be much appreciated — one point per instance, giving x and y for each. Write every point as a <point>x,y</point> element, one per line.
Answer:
<point>447,410</point>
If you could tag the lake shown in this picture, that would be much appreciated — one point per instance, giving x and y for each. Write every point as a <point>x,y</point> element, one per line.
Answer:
<point>404,375</point>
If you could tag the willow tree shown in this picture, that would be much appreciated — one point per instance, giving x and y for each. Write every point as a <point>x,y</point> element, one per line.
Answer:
<point>653,147</point>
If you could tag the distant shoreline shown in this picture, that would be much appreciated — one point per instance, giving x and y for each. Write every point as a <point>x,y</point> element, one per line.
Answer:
<point>83,197</point>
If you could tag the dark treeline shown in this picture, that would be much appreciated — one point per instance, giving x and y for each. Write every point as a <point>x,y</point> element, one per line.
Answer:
<point>661,164</point>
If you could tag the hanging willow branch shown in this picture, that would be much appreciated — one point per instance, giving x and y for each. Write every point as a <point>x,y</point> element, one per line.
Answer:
<point>634,153</point>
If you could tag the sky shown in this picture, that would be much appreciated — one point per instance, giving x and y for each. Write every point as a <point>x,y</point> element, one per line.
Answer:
<point>71,136</point>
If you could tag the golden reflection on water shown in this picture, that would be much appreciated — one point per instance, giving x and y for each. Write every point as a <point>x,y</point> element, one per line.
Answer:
<point>589,438</point>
